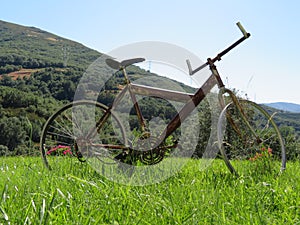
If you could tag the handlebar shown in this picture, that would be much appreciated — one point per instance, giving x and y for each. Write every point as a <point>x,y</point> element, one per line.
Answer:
<point>242,29</point>
<point>221,54</point>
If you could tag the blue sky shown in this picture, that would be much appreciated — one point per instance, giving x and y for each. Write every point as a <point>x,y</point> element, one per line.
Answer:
<point>265,66</point>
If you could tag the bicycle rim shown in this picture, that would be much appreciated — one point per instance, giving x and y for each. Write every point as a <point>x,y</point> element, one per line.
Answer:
<point>250,141</point>
<point>66,137</point>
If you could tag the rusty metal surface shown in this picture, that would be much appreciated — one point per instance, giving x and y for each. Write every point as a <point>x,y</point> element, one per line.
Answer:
<point>190,105</point>
<point>160,93</point>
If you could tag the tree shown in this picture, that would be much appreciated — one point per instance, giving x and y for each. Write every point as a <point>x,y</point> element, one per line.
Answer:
<point>7,81</point>
<point>13,132</point>
<point>292,144</point>
<point>3,150</point>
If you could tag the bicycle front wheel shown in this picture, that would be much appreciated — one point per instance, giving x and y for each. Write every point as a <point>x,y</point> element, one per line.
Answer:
<point>80,130</point>
<point>249,140</point>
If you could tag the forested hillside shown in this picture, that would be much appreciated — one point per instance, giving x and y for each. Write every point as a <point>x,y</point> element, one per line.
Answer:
<point>39,72</point>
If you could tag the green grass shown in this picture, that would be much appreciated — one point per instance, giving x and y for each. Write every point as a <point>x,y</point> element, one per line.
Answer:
<point>30,194</point>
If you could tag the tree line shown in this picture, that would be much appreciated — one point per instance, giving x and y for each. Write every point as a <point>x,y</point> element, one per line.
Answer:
<point>25,104</point>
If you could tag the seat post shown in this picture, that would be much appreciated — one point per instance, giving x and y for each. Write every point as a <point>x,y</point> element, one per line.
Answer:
<point>127,81</point>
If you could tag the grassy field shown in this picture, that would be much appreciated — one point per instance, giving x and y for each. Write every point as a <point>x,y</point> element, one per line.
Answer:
<point>30,194</point>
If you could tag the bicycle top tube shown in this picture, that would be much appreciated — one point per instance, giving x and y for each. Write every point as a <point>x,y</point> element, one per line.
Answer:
<point>170,94</point>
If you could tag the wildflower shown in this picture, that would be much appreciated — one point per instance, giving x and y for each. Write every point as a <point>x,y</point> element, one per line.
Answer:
<point>60,149</point>
<point>270,151</point>
<point>68,151</point>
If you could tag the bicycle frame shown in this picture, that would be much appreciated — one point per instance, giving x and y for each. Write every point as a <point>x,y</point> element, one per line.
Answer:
<point>252,130</point>
<point>191,100</point>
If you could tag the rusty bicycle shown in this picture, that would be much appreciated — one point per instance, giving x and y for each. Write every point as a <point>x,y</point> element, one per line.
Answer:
<point>248,138</point>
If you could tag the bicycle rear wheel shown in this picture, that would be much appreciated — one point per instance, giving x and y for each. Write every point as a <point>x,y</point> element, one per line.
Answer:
<point>250,141</point>
<point>72,134</point>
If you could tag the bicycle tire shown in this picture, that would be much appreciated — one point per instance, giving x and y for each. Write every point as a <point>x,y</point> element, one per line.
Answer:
<point>252,143</point>
<point>72,123</point>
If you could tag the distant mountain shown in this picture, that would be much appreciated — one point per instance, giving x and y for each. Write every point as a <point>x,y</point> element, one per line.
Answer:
<point>285,106</point>
<point>285,117</point>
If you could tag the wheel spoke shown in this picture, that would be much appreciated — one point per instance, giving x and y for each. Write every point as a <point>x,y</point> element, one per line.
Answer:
<point>64,134</point>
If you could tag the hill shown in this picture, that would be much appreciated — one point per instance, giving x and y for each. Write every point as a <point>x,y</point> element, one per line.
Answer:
<point>285,106</point>
<point>285,118</point>
<point>287,114</point>
<point>34,60</point>
<point>39,72</point>
<point>30,47</point>
<point>54,63</point>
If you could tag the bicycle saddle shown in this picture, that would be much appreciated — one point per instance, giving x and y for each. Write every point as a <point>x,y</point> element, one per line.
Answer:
<point>118,65</point>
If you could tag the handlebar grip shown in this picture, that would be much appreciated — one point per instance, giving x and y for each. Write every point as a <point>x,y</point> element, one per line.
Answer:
<point>189,66</point>
<point>242,29</point>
